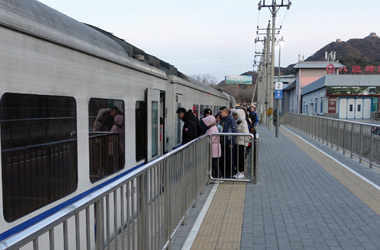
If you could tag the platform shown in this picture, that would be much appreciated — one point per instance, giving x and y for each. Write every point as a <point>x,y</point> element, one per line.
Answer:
<point>308,196</point>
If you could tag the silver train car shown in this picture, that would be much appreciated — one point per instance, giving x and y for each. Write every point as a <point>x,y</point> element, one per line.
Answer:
<point>62,85</point>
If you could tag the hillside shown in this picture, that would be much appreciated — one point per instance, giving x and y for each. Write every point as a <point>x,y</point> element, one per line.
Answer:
<point>354,52</point>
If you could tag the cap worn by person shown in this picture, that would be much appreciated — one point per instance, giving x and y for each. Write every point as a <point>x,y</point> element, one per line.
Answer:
<point>207,111</point>
<point>181,110</point>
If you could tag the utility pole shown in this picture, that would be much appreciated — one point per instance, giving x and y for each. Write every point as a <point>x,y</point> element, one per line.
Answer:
<point>268,84</point>
<point>274,8</point>
<point>261,88</point>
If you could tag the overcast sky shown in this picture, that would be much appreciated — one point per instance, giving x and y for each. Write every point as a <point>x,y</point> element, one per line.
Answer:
<point>217,36</point>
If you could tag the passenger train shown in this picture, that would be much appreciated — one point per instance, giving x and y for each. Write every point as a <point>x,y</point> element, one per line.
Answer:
<point>58,78</point>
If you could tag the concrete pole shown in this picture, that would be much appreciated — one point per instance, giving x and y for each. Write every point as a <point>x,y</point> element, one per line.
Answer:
<point>272,65</point>
<point>267,70</point>
<point>261,91</point>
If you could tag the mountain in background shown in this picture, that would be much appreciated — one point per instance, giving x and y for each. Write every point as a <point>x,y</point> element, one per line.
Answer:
<point>354,52</point>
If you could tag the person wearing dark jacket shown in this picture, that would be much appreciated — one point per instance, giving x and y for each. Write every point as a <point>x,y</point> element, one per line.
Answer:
<point>227,163</point>
<point>190,128</point>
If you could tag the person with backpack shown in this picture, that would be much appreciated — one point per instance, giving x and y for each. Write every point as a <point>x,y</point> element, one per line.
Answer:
<point>254,119</point>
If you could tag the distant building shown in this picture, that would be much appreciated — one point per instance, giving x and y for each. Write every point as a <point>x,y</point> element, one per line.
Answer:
<point>342,96</point>
<point>306,73</point>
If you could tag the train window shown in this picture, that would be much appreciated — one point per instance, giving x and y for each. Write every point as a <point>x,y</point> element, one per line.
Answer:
<point>201,108</point>
<point>106,137</point>
<point>155,125</point>
<point>39,151</point>
<point>179,127</point>
<point>195,110</point>
<point>140,131</point>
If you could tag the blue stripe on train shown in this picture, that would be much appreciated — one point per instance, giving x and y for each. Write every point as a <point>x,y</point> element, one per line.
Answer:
<point>55,209</point>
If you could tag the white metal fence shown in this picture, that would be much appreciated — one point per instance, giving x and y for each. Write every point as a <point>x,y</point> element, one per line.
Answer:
<point>140,210</point>
<point>361,140</point>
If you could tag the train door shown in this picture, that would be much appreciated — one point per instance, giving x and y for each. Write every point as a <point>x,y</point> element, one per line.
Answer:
<point>350,108</point>
<point>342,108</point>
<point>162,123</point>
<point>359,109</point>
<point>179,122</point>
<point>153,108</point>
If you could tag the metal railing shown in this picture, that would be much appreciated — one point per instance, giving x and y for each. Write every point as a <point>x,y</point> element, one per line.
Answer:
<point>238,157</point>
<point>104,155</point>
<point>140,210</point>
<point>361,140</point>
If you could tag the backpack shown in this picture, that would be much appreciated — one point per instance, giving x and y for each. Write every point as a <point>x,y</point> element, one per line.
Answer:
<point>201,126</point>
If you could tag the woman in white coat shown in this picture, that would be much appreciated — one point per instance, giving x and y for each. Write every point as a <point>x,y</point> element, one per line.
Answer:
<point>242,141</point>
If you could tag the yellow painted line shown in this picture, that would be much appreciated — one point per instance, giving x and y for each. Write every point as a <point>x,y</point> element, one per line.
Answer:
<point>366,191</point>
<point>221,228</point>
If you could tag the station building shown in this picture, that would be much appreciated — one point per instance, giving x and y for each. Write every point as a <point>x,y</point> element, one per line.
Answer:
<point>342,96</point>
<point>305,72</point>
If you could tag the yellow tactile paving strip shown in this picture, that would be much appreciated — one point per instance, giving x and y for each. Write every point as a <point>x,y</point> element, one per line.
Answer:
<point>221,228</point>
<point>363,190</point>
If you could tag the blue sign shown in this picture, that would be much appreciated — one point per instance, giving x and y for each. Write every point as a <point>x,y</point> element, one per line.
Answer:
<point>278,93</point>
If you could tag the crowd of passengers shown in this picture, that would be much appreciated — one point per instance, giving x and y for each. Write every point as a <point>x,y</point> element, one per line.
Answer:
<point>228,154</point>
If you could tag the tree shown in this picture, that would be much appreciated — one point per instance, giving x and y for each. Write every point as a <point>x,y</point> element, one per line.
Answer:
<point>205,79</point>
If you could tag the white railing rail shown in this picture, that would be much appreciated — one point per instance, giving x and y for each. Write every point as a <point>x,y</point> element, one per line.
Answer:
<point>361,140</point>
<point>142,209</point>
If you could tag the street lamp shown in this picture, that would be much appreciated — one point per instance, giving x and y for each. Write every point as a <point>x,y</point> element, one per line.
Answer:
<point>280,43</point>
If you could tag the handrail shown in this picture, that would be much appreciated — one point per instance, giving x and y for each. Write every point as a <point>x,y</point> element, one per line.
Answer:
<point>32,233</point>
<point>360,139</point>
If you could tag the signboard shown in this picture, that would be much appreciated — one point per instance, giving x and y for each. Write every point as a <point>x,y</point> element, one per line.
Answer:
<point>351,90</point>
<point>375,103</point>
<point>332,105</point>
<point>278,85</point>
<point>278,93</point>
<point>238,79</point>
<point>355,69</point>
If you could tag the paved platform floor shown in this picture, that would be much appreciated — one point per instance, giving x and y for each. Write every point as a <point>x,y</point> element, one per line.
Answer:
<point>303,200</point>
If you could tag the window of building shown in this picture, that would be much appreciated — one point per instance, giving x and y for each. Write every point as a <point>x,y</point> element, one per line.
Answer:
<point>106,137</point>
<point>201,108</point>
<point>39,151</point>
<point>195,110</point>
<point>304,108</point>
<point>307,109</point>
<point>155,126</point>
<point>321,105</point>
<point>351,107</point>
<point>140,126</point>
<point>179,127</point>
<point>316,106</point>
<point>359,107</point>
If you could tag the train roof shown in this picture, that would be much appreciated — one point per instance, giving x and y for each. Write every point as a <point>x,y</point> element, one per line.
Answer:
<point>37,19</point>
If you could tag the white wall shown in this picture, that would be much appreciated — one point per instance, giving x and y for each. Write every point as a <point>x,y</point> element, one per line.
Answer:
<point>310,100</point>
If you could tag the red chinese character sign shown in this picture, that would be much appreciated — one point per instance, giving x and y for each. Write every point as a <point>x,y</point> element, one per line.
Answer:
<point>356,69</point>
<point>369,68</point>
<point>344,69</point>
<point>332,105</point>
<point>330,69</point>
